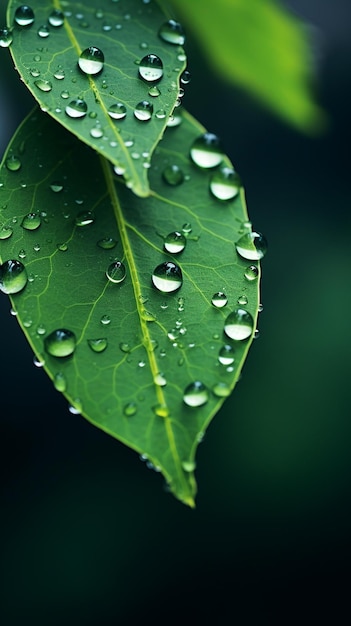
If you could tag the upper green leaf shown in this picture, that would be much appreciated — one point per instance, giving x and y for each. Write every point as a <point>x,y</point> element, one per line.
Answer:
<point>82,63</point>
<point>141,309</point>
<point>261,47</point>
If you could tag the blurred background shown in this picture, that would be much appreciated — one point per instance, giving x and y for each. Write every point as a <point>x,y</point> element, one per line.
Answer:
<point>89,535</point>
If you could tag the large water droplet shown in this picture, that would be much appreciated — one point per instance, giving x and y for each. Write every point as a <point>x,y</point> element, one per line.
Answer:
<point>173,175</point>
<point>13,163</point>
<point>251,272</point>
<point>252,246</point>
<point>143,111</point>
<point>98,345</point>
<point>239,325</point>
<point>56,18</point>
<point>117,111</point>
<point>206,151</point>
<point>151,68</point>
<point>172,32</point>
<point>226,355</point>
<point>175,242</point>
<point>31,221</point>
<point>195,394</point>
<point>6,37</point>
<point>225,184</point>
<point>91,60</point>
<point>116,272</point>
<point>60,343</point>
<point>24,15</point>
<point>76,108</point>
<point>167,277</point>
<point>219,299</point>
<point>13,276</point>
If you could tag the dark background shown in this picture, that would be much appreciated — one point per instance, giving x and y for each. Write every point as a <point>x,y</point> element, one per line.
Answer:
<point>89,536</point>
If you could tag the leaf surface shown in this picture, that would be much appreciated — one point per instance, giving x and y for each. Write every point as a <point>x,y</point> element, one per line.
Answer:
<point>67,217</point>
<point>125,32</point>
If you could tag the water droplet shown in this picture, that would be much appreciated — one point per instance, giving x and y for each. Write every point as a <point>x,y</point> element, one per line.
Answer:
<point>185,77</point>
<point>260,308</point>
<point>76,108</point>
<point>60,382</point>
<point>107,243</point>
<point>38,361</point>
<point>242,300</point>
<point>187,229</point>
<point>56,18</point>
<point>124,347</point>
<point>13,163</point>
<point>239,325</point>
<point>181,304</point>
<point>35,72</point>
<point>154,91</point>
<point>43,31</point>
<point>195,394</point>
<point>206,151</point>
<point>63,247</point>
<point>175,242</point>
<point>105,320</point>
<point>13,276</point>
<point>117,111</point>
<point>141,363</point>
<point>175,119</point>
<point>225,184</point>
<point>5,232</point>
<point>161,410</point>
<point>151,68</point>
<point>41,329</point>
<point>167,277</point>
<point>6,37</point>
<point>172,32</point>
<point>85,218</point>
<point>116,272</point>
<point>173,175</point>
<point>56,186</point>
<point>130,409</point>
<point>160,379</point>
<point>65,94</point>
<point>22,254</point>
<point>219,299</point>
<point>59,74</point>
<point>98,345</point>
<point>226,355</point>
<point>60,343</point>
<point>251,273</point>
<point>91,60</point>
<point>96,132</point>
<point>221,390</point>
<point>31,221</point>
<point>76,407</point>
<point>252,246</point>
<point>143,111</point>
<point>24,15</point>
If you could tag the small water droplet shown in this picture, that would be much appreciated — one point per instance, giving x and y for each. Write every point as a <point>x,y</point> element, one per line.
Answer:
<point>6,37</point>
<point>239,325</point>
<point>43,85</point>
<point>24,15</point>
<point>173,175</point>
<point>130,409</point>
<point>187,229</point>
<point>43,31</point>
<point>38,360</point>
<point>195,394</point>
<point>59,74</point>
<point>243,299</point>
<point>175,242</point>
<point>188,466</point>
<point>160,114</point>
<point>60,343</point>
<point>151,68</point>
<point>107,243</point>
<point>56,18</point>
<point>251,272</point>
<point>91,60</point>
<point>13,163</point>
<point>13,276</point>
<point>260,308</point>
<point>76,108</point>
<point>167,277</point>
<point>225,184</point>
<point>64,94</point>
<point>141,363</point>
<point>96,132</point>
<point>35,72</point>
<point>221,390</point>
<point>31,221</point>
<point>172,32</point>
<point>60,382</point>
<point>124,347</point>
<point>161,410</point>
<point>226,355</point>
<point>76,407</point>
<point>41,330</point>
<point>252,246</point>
<point>117,111</point>
<point>56,186</point>
<point>219,300</point>
<point>143,111</point>
<point>22,254</point>
<point>5,232</point>
<point>63,247</point>
<point>98,345</point>
<point>160,379</point>
<point>105,320</point>
<point>154,91</point>
<point>181,304</point>
<point>116,272</point>
<point>206,151</point>
<point>185,77</point>
<point>85,218</point>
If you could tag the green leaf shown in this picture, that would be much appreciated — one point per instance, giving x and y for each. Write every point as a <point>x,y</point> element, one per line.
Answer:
<point>67,217</point>
<point>262,48</point>
<point>125,32</point>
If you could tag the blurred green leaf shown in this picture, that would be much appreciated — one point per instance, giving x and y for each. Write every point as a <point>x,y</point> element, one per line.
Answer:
<point>66,217</point>
<point>46,54</point>
<point>261,47</point>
